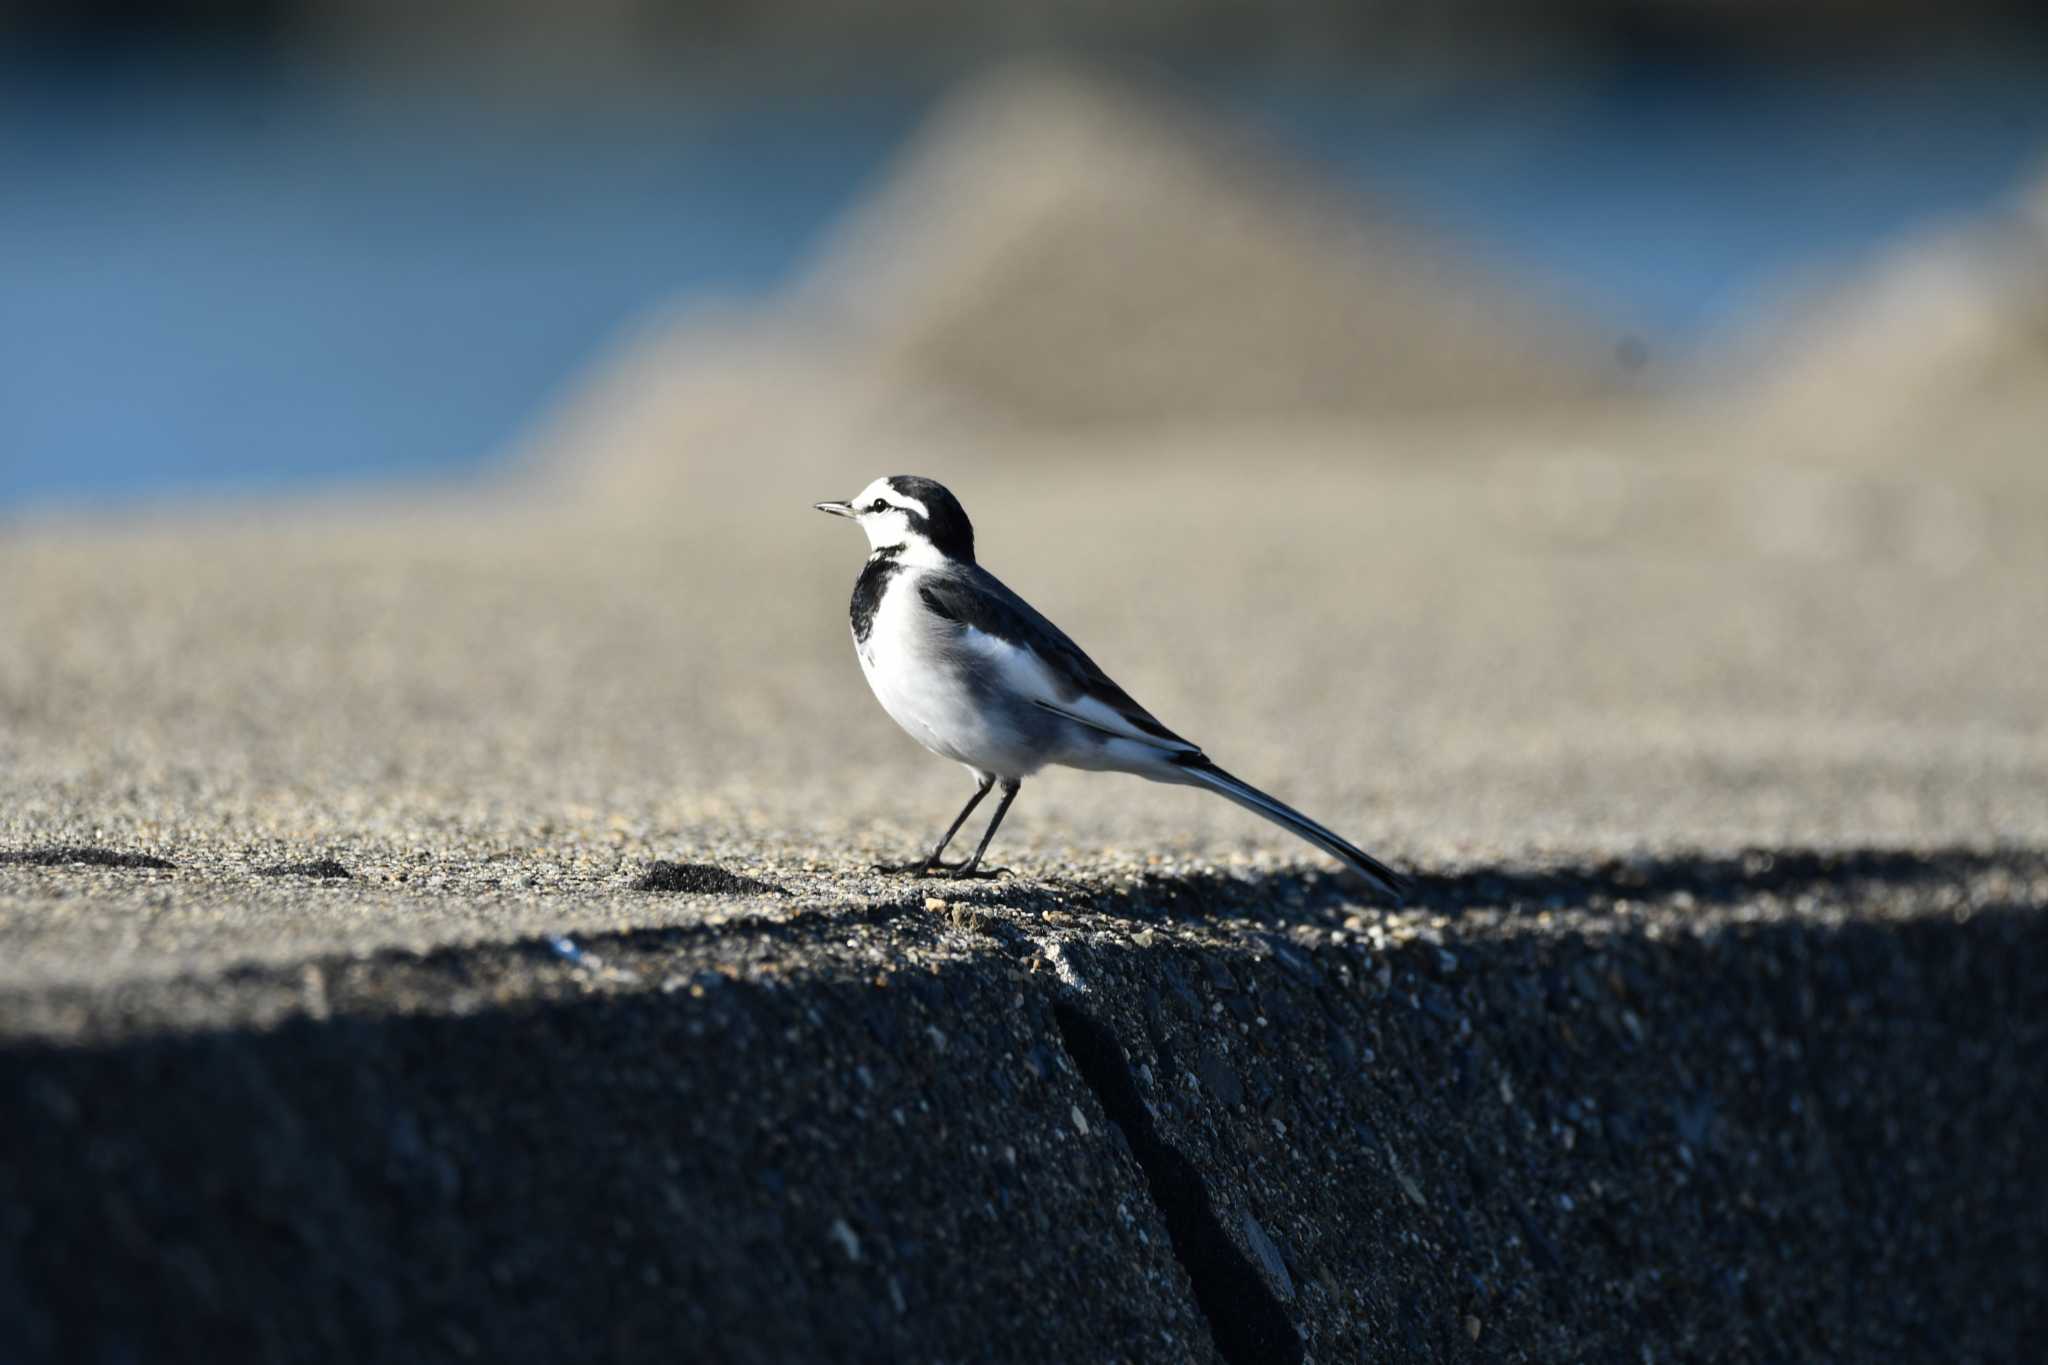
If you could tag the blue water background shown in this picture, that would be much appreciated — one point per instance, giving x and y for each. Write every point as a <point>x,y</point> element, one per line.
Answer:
<point>214,278</point>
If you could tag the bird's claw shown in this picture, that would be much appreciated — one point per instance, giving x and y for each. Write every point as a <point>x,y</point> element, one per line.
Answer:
<point>964,870</point>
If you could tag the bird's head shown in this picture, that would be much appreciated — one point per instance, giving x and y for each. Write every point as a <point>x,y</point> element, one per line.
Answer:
<point>906,513</point>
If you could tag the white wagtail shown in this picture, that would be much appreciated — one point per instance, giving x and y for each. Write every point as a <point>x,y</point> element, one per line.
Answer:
<point>977,676</point>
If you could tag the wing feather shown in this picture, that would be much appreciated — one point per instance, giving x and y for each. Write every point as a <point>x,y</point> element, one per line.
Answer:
<point>1068,682</point>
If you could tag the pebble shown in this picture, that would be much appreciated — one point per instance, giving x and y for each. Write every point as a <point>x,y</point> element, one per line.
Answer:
<point>1406,1181</point>
<point>849,1241</point>
<point>1269,1256</point>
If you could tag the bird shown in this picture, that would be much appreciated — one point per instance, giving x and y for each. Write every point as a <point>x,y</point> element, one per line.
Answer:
<point>975,674</point>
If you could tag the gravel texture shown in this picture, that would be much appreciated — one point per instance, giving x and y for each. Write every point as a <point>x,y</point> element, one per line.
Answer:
<point>450,930</point>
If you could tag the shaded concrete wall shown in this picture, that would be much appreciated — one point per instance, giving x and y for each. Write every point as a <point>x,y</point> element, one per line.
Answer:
<point>1569,1133</point>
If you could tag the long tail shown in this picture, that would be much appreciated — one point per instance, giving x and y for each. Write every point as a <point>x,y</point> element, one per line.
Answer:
<point>1202,772</point>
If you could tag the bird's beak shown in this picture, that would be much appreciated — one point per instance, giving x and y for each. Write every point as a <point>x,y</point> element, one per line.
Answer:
<point>837,509</point>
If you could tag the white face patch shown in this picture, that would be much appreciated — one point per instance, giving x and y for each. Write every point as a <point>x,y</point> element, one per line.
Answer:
<point>891,527</point>
<point>880,489</point>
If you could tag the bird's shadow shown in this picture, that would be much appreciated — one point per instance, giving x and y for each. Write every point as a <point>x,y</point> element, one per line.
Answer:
<point>1705,878</point>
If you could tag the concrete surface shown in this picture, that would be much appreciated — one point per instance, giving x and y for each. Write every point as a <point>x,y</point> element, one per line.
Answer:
<point>1714,1032</point>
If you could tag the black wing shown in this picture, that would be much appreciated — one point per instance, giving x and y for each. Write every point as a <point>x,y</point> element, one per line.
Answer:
<point>976,599</point>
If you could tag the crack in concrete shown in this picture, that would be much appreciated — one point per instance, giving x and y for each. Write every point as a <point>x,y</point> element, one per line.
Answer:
<point>1245,1317</point>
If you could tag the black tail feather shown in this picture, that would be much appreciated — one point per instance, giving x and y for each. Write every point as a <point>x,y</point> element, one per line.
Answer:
<point>1280,813</point>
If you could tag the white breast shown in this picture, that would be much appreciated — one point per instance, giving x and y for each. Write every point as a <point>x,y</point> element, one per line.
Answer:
<point>915,675</point>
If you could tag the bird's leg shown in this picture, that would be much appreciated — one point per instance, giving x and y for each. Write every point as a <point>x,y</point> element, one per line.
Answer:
<point>972,867</point>
<point>923,866</point>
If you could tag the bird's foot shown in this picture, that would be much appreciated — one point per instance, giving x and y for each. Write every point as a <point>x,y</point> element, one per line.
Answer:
<point>964,872</point>
<point>967,869</point>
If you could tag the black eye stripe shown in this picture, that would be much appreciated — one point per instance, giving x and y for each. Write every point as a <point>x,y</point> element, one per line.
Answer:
<point>934,514</point>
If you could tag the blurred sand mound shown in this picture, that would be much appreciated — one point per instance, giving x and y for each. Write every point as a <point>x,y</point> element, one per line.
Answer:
<point>1938,348</point>
<point>1057,249</point>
